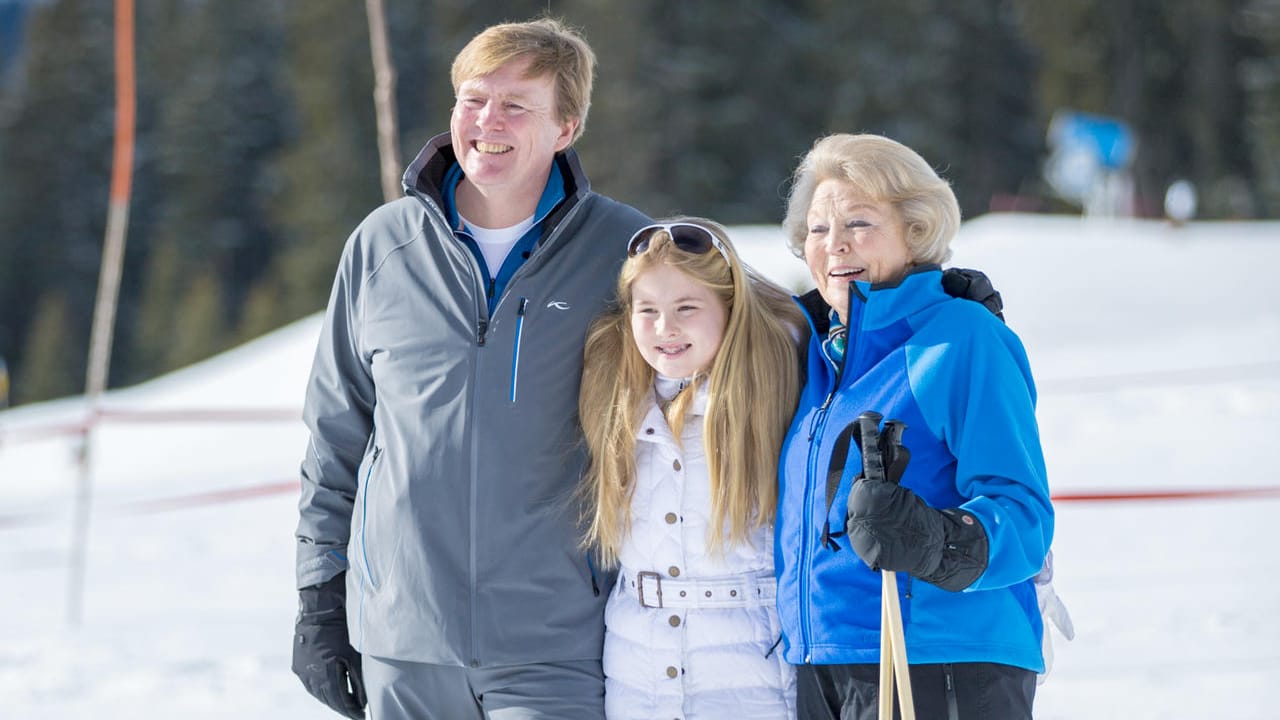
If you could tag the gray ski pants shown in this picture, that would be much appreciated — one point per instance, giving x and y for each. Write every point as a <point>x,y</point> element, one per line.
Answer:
<point>401,690</point>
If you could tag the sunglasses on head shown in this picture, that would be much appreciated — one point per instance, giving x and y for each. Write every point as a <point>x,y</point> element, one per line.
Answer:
<point>688,237</point>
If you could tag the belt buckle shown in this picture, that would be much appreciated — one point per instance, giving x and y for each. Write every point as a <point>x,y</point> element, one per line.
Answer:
<point>640,576</point>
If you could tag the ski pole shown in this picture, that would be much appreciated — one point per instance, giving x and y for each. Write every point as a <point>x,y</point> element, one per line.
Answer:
<point>883,460</point>
<point>893,652</point>
<point>886,654</point>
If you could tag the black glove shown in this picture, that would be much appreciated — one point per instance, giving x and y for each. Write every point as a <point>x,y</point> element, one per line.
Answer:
<point>322,654</point>
<point>891,528</point>
<point>973,285</point>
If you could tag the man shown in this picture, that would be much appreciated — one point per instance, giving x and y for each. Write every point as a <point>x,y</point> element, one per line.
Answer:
<point>439,565</point>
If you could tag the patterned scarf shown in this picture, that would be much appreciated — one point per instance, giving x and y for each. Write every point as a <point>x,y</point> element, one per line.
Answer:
<point>837,337</point>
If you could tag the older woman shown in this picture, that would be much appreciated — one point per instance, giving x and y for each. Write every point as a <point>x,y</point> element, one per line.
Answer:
<point>969,522</point>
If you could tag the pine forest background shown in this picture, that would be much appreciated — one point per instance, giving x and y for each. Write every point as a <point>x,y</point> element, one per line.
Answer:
<point>257,150</point>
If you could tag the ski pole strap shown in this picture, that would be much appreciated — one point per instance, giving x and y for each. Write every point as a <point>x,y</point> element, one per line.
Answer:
<point>835,471</point>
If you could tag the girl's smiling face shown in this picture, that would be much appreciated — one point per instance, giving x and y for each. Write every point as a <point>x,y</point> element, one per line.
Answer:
<point>853,237</point>
<point>677,322</point>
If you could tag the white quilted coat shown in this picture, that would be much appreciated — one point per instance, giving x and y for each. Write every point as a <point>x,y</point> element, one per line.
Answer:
<point>688,663</point>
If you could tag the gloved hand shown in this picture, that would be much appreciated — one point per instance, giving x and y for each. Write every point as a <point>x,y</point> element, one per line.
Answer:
<point>322,654</point>
<point>974,285</point>
<point>1052,610</point>
<point>891,528</point>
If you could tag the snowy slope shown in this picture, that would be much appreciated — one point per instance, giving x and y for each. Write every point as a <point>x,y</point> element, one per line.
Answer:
<point>1157,353</point>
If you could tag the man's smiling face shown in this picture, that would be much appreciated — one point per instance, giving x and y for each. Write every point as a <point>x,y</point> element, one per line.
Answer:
<point>505,130</point>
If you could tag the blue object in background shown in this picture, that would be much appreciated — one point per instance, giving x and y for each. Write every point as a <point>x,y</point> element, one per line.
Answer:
<point>1109,140</point>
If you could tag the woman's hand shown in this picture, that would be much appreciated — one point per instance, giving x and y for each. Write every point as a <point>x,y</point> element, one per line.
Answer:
<point>891,528</point>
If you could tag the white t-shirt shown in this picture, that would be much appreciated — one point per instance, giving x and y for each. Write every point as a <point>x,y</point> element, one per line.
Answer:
<point>496,243</point>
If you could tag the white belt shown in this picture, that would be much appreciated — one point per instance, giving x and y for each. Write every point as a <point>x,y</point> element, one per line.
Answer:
<point>730,591</point>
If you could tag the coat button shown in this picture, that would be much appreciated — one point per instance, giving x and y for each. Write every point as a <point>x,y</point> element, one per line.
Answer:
<point>648,431</point>
<point>674,620</point>
<point>672,672</point>
<point>671,518</point>
<point>673,571</point>
<point>676,464</point>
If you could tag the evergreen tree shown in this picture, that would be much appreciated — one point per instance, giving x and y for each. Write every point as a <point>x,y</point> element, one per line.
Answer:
<point>693,112</point>
<point>1260,76</point>
<point>215,137</point>
<point>328,172</point>
<point>1174,72</point>
<point>158,308</point>
<point>54,167</point>
<point>1213,45</point>
<point>200,320</point>
<point>422,49</point>
<point>980,103</point>
<point>160,69</point>
<point>256,149</point>
<point>51,362</point>
<point>951,80</point>
<point>625,105</point>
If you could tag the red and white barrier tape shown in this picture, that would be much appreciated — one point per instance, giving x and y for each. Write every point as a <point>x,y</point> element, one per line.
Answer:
<point>33,433</point>
<point>218,497</point>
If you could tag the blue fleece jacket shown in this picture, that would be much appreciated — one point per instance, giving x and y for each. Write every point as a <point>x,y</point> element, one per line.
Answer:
<point>960,380</point>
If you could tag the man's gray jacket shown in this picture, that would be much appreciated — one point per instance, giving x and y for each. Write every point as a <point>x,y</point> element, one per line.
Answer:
<point>445,447</point>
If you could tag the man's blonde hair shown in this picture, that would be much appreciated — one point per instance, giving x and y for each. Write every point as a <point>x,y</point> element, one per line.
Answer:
<point>552,49</point>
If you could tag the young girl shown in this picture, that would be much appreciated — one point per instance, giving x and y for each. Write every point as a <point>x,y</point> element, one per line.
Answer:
<point>688,387</point>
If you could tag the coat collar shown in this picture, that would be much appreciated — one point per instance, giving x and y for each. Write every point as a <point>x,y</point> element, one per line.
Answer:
<point>656,421</point>
<point>880,304</point>
<point>426,173</point>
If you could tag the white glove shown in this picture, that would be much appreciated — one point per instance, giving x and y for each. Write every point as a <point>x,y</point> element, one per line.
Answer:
<point>1052,610</point>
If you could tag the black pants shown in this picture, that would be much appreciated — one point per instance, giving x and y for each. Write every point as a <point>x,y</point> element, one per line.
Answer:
<point>960,691</point>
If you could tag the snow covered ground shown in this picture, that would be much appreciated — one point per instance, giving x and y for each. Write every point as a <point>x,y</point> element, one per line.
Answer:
<point>1157,353</point>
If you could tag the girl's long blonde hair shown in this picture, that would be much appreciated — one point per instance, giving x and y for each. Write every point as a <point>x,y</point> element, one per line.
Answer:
<point>753,388</point>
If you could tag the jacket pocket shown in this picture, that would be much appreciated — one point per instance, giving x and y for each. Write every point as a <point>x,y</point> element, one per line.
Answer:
<point>365,533</point>
<point>515,349</point>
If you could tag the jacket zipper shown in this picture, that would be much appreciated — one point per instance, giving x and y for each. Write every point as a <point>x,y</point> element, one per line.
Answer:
<point>812,483</point>
<point>482,328</point>
<point>473,562</point>
<point>364,518</point>
<point>806,512</point>
<point>483,318</point>
<point>949,684</point>
<point>515,352</point>
<point>591,568</point>
<point>810,491</point>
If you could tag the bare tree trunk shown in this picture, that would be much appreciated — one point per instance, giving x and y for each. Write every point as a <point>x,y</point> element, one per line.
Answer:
<point>384,100</point>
